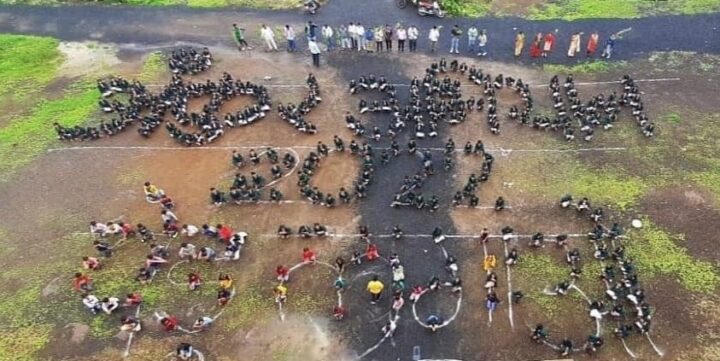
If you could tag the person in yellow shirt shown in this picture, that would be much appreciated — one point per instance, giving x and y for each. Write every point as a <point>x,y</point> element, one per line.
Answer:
<point>280,293</point>
<point>226,281</point>
<point>375,287</point>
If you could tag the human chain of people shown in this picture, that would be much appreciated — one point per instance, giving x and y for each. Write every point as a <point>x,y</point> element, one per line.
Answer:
<point>473,40</point>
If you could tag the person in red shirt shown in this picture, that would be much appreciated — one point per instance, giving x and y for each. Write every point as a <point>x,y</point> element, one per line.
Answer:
<point>225,233</point>
<point>91,263</point>
<point>339,312</point>
<point>126,230</point>
<point>536,46</point>
<point>169,323</point>
<point>132,299</point>
<point>548,44</point>
<point>372,252</point>
<point>283,273</point>
<point>308,255</point>
<point>194,281</point>
<point>82,283</point>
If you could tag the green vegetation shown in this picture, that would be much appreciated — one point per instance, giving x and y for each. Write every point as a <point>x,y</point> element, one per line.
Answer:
<point>603,186</point>
<point>155,65</point>
<point>26,137</point>
<point>656,252</point>
<point>27,63</point>
<point>21,344</point>
<point>618,9</point>
<point>543,270</point>
<point>587,67</point>
<point>248,308</point>
<point>469,8</point>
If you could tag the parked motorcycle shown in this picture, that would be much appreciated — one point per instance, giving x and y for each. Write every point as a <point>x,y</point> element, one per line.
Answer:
<point>312,6</point>
<point>424,8</point>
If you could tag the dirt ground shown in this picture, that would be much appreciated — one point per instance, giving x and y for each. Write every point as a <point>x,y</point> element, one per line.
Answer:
<point>61,192</point>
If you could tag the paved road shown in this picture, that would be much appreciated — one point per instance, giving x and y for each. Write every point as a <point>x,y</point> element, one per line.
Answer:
<point>168,25</point>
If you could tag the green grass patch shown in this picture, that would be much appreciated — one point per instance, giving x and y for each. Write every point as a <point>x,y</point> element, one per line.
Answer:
<point>554,177</point>
<point>657,252</point>
<point>26,137</point>
<point>542,269</point>
<point>155,65</point>
<point>468,8</point>
<point>586,9</point>
<point>250,306</point>
<point>27,63</point>
<point>586,67</point>
<point>21,344</point>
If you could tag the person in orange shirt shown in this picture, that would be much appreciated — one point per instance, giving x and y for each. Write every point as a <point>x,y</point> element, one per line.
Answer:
<point>372,252</point>
<point>592,43</point>
<point>225,232</point>
<point>82,283</point>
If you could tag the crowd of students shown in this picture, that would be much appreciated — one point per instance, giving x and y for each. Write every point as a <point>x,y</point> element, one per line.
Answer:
<point>159,255</point>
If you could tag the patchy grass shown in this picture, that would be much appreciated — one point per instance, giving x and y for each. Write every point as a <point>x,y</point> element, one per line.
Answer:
<point>657,252</point>
<point>21,344</point>
<point>27,63</point>
<point>541,268</point>
<point>586,67</point>
<point>249,307</point>
<point>586,9</point>
<point>556,176</point>
<point>468,8</point>
<point>26,137</point>
<point>155,65</point>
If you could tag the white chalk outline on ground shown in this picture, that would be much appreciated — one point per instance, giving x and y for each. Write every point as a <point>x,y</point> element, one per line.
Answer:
<point>132,334</point>
<point>502,151</point>
<point>651,80</point>
<point>509,286</point>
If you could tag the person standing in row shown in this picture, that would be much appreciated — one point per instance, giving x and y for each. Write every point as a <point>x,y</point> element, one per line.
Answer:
<point>472,35</point>
<point>360,36</point>
<point>519,43</point>
<point>369,37</point>
<point>388,34</point>
<point>574,45</point>
<point>401,37</point>
<point>548,44</point>
<point>536,46</point>
<point>413,34</point>
<point>239,36</point>
<point>482,42</point>
<point>311,31</point>
<point>290,37</point>
<point>592,44</point>
<point>315,51</point>
<point>379,36</point>
<point>434,36</point>
<point>456,32</point>
<point>344,36</point>
<point>327,33</point>
<point>352,33</point>
<point>269,36</point>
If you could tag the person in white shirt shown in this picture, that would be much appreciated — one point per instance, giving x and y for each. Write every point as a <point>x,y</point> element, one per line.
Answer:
<point>290,37</point>
<point>110,304</point>
<point>315,51</point>
<point>113,228</point>
<point>98,229</point>
<point>92,303</point>
<point>328,33</point>
<point>472,34</point>
<point>401,37</point>
<point>187,251</point>
<point>434,36</point>
<point>168,216</point>
<point>352,33</point>
<point>269,36</point>
<point>360,33</point>
<point>413,34</point>
<point>482,41</point>
<point>189,230</point>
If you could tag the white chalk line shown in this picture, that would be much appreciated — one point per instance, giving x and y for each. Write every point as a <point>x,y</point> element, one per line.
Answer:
<point>452,236</point>
<point>503,151</point>
<point>132,334</point>
<point>380,342</point>
<point>288,85</point>
<point>509,285</point>
<point>447,322</point>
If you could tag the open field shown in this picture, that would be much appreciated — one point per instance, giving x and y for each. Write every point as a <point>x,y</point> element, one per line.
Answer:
<point>51,190</point>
